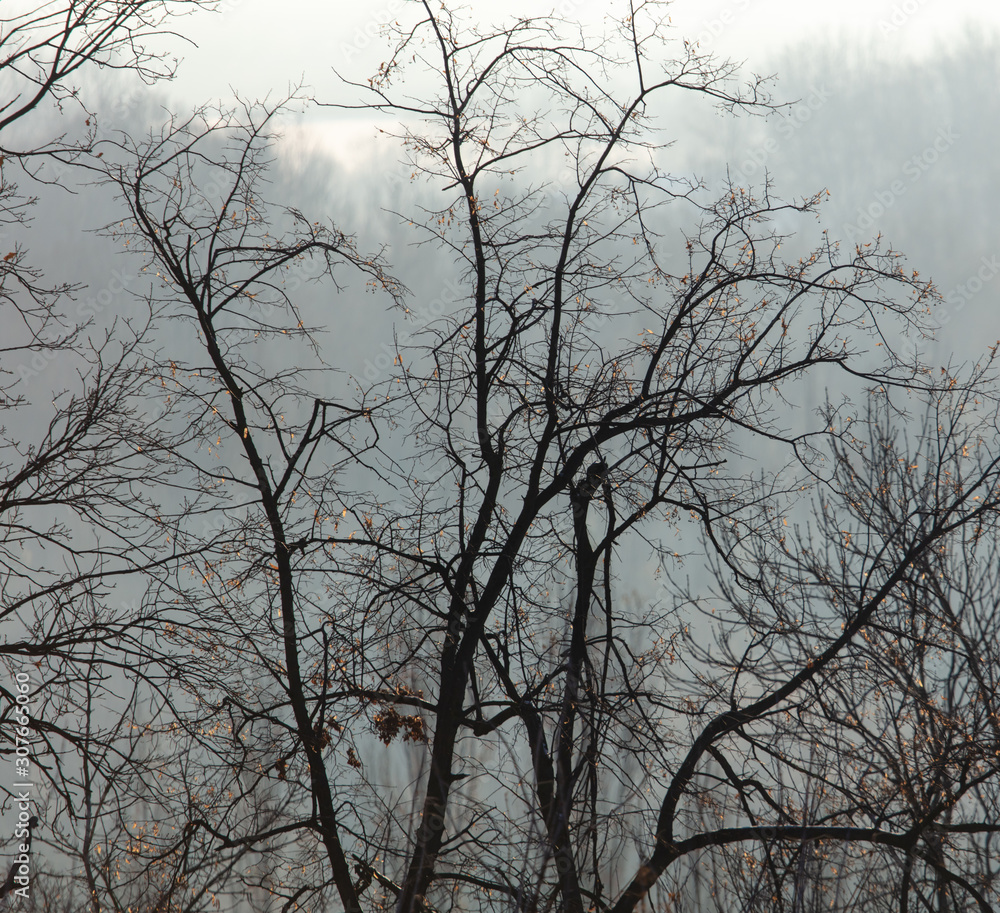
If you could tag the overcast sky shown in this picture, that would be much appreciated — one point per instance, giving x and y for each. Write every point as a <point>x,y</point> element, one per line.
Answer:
<point>892,108</point>
<point>895,111</point>
<point>249,47</point>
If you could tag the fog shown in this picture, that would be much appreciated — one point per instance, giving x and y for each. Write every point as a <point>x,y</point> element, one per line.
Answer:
<point>895,123</point>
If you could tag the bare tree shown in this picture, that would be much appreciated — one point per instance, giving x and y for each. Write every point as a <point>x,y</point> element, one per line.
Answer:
<point>77,467</point>
<point>46,45</point>
<point>223,266</point>
<point>434,560</point>
<point>45,48</point>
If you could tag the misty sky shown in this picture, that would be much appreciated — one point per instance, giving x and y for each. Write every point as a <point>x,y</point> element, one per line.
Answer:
<point>894,108</point>
<point>248,47</point>
<point>895,113</point>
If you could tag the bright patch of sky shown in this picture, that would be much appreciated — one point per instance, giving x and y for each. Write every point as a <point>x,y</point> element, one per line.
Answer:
<point>249,49</point>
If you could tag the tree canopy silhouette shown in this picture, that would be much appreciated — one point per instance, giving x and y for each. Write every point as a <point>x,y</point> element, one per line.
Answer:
<point>388,631</point>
